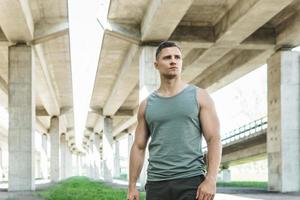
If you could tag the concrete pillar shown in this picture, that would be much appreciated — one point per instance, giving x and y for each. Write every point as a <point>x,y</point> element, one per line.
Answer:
<point>108,150</point>
<point>21,118</point>
<point>44,142</point>
<point>44,157</point>
<point>96,149</point>
<point>149,77</point>
<point>149,81</point>
<point>130,142</point>
<point>283,140</point>
<point>55,149</point>
<point>38,165</point>
<point>226,175</point>
<point>78,164</point>
<point>1,165</point>
<point>63,157</point>
<point>68,165</point>
<point>117,166</point>
<point>91,160</point>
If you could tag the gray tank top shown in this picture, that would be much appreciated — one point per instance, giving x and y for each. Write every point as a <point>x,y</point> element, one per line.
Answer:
<point>175,136</point>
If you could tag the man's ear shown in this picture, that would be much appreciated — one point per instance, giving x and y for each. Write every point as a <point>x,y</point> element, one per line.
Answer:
<point>155,64</point>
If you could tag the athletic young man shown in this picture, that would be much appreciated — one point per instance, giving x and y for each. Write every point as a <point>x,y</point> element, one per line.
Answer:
<point>175,117</point>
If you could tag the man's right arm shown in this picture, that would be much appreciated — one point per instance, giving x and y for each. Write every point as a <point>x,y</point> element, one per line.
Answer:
<point>137,153</point>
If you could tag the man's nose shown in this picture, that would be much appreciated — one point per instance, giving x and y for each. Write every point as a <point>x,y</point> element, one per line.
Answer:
<point>173,61</point>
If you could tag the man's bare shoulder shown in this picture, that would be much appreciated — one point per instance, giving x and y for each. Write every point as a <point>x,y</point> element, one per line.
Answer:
<point>142,108</point>
<point>204,98</point>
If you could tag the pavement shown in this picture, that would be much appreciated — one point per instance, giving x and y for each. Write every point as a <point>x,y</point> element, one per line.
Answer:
<point>231,193</point>
<point>227,193</point>
<point>23,195</point>
<point>223,193</point>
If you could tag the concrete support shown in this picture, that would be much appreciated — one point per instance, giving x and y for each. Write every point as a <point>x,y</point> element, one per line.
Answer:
<point>96,149</point>
<point>55,149</point>
<point>130,142</point>
<point>108,149</point>
<point>21,118</point>
<point>91,160</point>
<point>117,166</point>
<point>283,140</point>
<point>79,164</point>
<point>1,165</point>
<point>44,157</point>
<point>226,175</point>
<point>69,164</point>
<point>38,164</point>
<point>149,81</point>
<point>149,76</point>
<point>63,157</point>
<point>45,143</point>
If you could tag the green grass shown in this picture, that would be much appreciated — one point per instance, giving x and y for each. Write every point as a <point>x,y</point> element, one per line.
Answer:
<point>81,188</point>
<point>243,184</point>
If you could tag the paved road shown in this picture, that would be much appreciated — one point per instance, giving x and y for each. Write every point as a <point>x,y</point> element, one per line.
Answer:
<point>251,194</point>
<point>222,194</point>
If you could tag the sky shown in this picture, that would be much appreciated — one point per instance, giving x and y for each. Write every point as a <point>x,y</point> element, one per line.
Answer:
<point>242,101</point>
<point>85,42</point>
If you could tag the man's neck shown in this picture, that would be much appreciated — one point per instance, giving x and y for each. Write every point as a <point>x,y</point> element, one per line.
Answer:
<point>170,87</point>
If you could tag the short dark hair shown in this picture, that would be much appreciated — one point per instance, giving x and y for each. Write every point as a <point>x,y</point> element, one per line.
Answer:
<point>165,44</point>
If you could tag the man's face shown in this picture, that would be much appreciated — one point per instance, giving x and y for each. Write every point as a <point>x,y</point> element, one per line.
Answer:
<point>169,62</point>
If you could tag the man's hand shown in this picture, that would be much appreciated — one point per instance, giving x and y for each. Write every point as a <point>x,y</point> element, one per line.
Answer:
<point>133,194</point>
<point>206,190</point>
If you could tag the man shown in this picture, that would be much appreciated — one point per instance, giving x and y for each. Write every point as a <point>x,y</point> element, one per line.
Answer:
<point>175,117</point>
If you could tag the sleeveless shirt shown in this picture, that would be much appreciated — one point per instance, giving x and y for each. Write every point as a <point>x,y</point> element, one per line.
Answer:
<point>175,149</point>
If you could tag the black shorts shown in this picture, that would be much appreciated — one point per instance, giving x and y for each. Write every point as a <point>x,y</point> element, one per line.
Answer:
<point>177,189</point>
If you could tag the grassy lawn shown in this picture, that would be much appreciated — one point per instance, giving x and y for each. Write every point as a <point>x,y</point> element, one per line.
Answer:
<point>81,188</point>
<point>247,184</point>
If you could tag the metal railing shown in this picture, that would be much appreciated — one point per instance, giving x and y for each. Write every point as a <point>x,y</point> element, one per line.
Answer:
<point>244,131</point>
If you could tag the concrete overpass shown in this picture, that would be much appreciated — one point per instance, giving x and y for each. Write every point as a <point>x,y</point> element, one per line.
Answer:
<point>36,86</point>
<point>221,41</point>
<point>244,144</point>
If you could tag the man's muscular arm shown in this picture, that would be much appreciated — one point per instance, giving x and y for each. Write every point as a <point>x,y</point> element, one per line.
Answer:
<point>137,153</point>
<point>211,132</point>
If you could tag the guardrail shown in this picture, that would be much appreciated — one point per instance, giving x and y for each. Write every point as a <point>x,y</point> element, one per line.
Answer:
<point>244,131</point>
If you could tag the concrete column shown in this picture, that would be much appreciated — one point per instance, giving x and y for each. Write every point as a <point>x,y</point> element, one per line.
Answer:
<point>63,156</point>
<point>149,77</point>
<point>38,165</point>
<point>55,149</point>
<point>226,175</point>
<point>21,118</point>
<point>149,81</point>
<point>130,142</point>
<point>44,157</point>
<point>108,150</point>
<point>96,149</point>
<point>283,141</point>
<point>78,164</point>
<point>69,164</point>
<point>91,160</point>
<point>117,166</point>
<point>1,165</point>
<point>44,142</point>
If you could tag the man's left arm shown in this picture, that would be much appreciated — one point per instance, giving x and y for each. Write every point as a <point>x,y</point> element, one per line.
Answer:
<point>211,132</point>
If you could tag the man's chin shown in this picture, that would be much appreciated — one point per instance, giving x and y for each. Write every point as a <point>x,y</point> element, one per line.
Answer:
<point>171,76</point>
